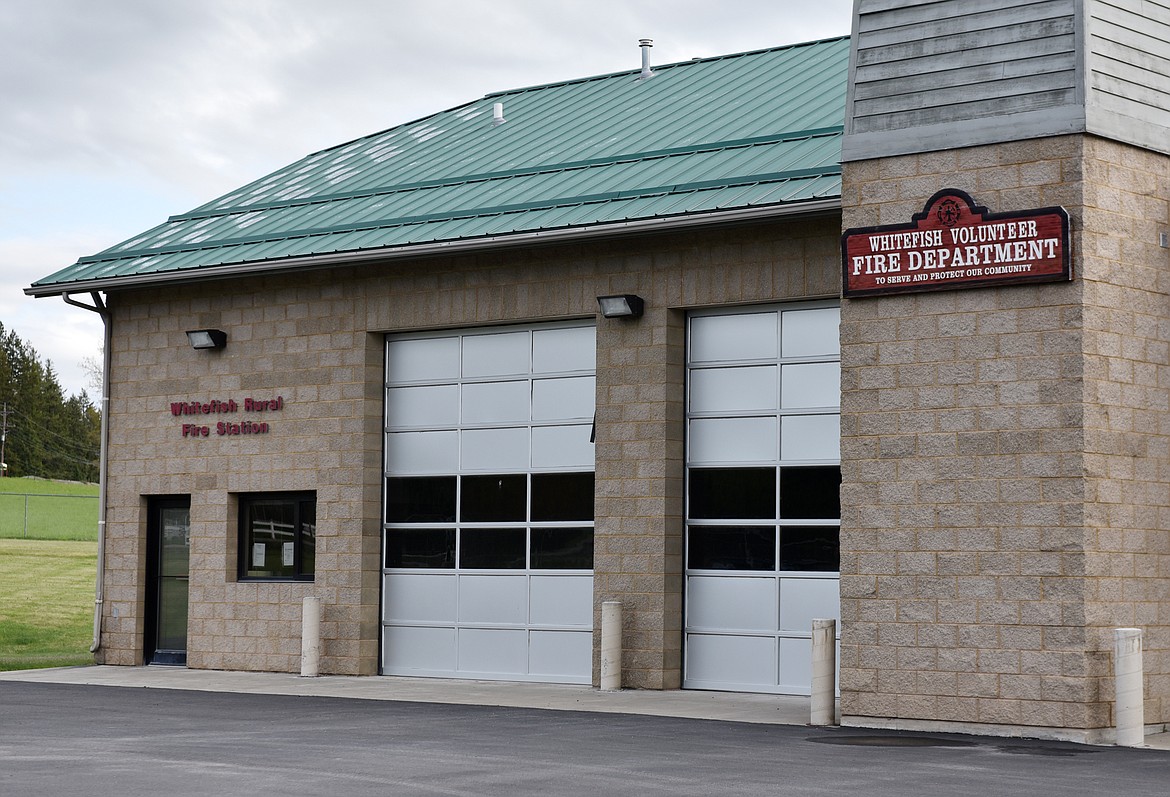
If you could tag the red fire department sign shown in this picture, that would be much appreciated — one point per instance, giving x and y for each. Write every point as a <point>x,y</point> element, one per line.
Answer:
<point>954,243</point>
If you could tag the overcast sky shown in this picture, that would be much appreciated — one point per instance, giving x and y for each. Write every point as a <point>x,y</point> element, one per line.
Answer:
<point>115,114</point>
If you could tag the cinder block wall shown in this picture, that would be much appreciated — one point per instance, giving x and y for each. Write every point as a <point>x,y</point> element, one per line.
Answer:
<point>1004,453</point>
<point>1127,408</point>
<point>293,339</point>
<point>316,339</point>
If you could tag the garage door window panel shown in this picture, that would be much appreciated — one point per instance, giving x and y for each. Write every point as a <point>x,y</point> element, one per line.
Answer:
<point>493,499</point>
<point>562,496</point>
<point>732,493</point>
<point>423,548</point>
<point>810,493</point>
<point>732,548</point>
<point>420,499</point>
<point>492,549</point>
<point>562,549</point>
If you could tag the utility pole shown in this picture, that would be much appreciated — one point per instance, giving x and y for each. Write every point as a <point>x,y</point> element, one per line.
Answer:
<point>3,439</point>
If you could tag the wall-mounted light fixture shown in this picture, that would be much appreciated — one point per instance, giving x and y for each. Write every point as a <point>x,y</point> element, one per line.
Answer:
<point>207,338</point>
<point>625,305</point>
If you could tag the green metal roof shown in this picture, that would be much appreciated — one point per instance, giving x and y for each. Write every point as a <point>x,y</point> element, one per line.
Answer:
<point>701,140</point>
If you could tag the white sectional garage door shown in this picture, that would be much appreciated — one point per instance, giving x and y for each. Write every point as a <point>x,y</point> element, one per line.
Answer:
<point>763,478</point>
<point>488,568</point>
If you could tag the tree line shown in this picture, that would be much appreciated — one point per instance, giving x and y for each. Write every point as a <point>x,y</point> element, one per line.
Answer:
<point>44,433</point>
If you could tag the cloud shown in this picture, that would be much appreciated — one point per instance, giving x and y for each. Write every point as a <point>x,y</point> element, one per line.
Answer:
<point>119,113</point>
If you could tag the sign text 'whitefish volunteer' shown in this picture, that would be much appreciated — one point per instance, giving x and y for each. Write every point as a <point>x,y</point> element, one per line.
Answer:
<point>955,243</point>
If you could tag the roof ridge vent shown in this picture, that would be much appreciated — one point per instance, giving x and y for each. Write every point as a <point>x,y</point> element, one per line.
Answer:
<point>498,114</point>
<point>645,44</point>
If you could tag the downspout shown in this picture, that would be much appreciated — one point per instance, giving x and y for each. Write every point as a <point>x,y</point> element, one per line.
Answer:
<point>100,308</point>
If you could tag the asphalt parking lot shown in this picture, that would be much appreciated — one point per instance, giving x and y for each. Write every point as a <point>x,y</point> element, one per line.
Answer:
<point>65,739</point>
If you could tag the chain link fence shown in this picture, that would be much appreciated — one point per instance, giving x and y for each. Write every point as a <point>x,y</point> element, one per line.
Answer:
<point>48,517</point>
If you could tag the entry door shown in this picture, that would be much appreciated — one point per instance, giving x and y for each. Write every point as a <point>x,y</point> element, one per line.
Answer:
<point>763,507</point>
<point>489,504</point>
<point>168,551</point>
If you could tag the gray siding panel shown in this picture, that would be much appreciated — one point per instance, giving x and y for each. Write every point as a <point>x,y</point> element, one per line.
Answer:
<point>1024,90</point>
<point>1129,71</point>
<point>952,68</point>
<point>936,75</point>
<point>1139,85</point>
<point>979,111</point>
<point>976,18</point>
<point>1129,48</point>
<point>1050,35</point>
<point>998,76</point>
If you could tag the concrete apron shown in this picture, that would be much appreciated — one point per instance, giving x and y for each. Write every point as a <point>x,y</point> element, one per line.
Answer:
<point>691,704</point>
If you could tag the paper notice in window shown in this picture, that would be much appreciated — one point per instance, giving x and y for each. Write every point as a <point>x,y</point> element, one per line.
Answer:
<point>286,554</point>
<point>257,554</point>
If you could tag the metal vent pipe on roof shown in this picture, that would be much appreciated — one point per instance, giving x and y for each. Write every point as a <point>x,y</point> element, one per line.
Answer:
<point>645,44</point>
<point>498,114</point>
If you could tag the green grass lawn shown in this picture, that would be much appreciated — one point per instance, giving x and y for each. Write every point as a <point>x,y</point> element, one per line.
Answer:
<point>40,509</point>
<point>46,603</point>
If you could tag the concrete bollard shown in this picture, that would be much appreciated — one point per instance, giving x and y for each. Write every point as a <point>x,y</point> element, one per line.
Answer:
<point>823,706</point>
<point>1128,695</point>
<point>611,645</point>
<point>310,637</point>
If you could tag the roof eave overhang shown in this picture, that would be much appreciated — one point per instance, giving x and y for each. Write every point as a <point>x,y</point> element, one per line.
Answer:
<point>659,224</point>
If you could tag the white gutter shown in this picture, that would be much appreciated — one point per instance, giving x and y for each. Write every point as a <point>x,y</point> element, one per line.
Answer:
<point>99,307</point>
<point>442,247</point>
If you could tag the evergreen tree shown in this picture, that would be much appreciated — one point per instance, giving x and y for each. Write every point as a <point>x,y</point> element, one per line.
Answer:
<point>47,434</point>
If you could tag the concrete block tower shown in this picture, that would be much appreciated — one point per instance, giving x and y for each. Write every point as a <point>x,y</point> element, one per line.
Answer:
<point>1006,450</point>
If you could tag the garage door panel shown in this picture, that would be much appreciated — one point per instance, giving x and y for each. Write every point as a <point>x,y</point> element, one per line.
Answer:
<point>494,450</point>
<point>569,399</point>
<point>804,599</point>
<point>493,650</point>
<point>810,333</point>
<point>422,452</point>
<point>496,354</point>
<point>564,349</point>
<point>419,598</point>
<point>810,437</point>
<point>562,447</point>
<point>796,665</point>
<point>428,405</point>
<point>562,600</point>
<point>495,402</point>
<point>493,599</point>
<point>422,359</point>
<point>734,389</point>
<point>740,661</point>
<point>732,602</point>
<point>810,385</point>
<point>562,655</point>
<point>740,336</point>
<point>406,649</point>
<point>715,440</point>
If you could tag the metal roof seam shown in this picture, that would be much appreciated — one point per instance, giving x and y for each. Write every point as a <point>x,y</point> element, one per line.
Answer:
<point>825,132</point>
<point>484,212</point>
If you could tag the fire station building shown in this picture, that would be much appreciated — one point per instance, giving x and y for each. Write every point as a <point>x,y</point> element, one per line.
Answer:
<point>874,328</point>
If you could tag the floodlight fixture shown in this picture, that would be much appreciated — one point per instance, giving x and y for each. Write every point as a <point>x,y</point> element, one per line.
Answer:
<point>625,305</point>
<point>207,338</point>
